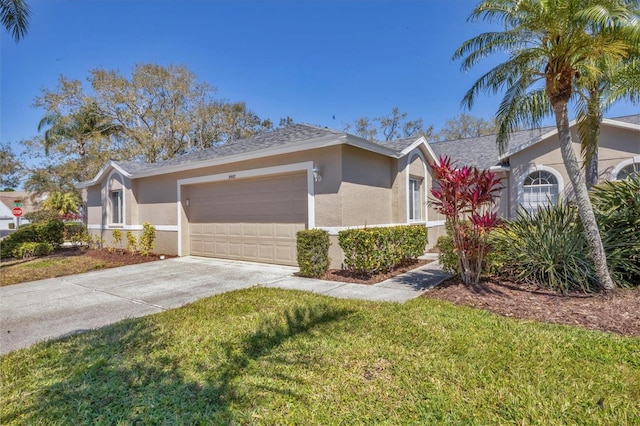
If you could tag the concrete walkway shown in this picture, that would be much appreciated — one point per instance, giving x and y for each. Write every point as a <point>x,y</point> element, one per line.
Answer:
<point>56,307</point>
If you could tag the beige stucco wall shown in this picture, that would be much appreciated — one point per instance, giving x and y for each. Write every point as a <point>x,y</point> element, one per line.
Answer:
<point>616,146</point>
<point>358,187</point>
<point>365,192</point>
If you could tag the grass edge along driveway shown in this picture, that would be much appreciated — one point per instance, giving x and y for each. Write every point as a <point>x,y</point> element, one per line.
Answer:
<point>268,356</point>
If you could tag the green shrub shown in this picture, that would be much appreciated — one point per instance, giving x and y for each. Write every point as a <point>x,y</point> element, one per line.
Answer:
<point>147,239</point>
<point>42,215</point>
<point>378,250</point>
<point>51,232</point>
<point>550,249</point>
<point>116,238</point>
<point>547,248</point>
<point>72,229</point>
<point>97,242</point>
<point>447,257</point>
<point>617,209</point>
<point>132,242</point>
<point>312,247</point>
<point>32,249</point>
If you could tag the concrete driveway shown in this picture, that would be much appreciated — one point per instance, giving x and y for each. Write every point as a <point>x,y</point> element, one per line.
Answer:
<point>56,307</point>
<point>39,310</point>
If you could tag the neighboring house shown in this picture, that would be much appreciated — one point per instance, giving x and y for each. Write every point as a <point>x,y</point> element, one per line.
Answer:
<point>532,167</point>
<point>246,200</point>
<point>7,203</point>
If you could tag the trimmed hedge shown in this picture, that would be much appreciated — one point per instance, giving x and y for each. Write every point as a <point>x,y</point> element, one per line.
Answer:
<point>379,250</point>
<point>51,231</point>
<point>313,252</point>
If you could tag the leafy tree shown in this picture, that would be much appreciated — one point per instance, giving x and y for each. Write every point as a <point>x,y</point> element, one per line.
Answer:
<point>15,17</point>
<point>63,203</point>
<point>466,126</point>
<point>390,127</point>
<point>156,113</point>
<point>10,167</point>
<point>549,42</point>
<point>286,121</point>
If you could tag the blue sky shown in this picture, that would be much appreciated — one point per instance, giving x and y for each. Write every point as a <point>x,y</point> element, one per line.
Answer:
<point>321,62</point>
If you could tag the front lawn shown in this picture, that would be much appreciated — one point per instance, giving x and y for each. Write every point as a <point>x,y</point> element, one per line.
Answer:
<point>266,356</point>
<point>67,261</point>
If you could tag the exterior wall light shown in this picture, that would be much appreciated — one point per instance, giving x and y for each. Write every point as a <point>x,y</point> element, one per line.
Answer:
<point>316,174</point>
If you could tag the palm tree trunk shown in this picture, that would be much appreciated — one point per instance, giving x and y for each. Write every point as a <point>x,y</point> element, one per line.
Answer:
<point>585,210</point>
<point>591,170</point>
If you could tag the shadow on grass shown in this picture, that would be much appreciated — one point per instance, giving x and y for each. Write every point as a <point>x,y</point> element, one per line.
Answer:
<point>128,374</point>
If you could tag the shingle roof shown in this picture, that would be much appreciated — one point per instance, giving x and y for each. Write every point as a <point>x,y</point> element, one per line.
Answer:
<point>631,119</point>
<point>289,136</point>
<point>284,136</point>
<point>482,152</point>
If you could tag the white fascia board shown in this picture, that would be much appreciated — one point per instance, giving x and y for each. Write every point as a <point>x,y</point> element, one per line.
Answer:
<point>531,142</point>
<point>322,142</point>
<point>420,141</point>
<point>102,172</point>
<point>497,169</point>
<point>620,124</point>
<point>605,121</point>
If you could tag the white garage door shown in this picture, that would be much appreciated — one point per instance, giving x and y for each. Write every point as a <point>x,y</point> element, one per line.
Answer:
<point>248,219</point>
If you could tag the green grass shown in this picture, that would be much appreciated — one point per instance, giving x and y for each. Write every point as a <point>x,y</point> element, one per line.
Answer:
<point>18,271</point>
<point>266,356</point>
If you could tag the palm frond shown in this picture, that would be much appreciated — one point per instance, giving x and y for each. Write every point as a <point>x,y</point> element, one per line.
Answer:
<point>14,15</point>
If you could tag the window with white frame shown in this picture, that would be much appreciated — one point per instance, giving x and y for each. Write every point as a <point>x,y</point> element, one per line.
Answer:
<point>540,189</point>
<point>629,170</point>
<point>415,199</point>
<point>117,206</point>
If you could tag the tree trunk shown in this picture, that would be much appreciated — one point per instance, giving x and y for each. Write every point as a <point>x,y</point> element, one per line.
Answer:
<point>591,170</point>
<point>585,210</point>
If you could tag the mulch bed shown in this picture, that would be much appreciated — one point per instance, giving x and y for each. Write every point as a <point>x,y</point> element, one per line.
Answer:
<point>350,277</point>
<point>618,312</point>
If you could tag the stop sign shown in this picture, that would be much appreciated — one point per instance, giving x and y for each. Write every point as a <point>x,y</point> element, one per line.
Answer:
<point>17,211</point>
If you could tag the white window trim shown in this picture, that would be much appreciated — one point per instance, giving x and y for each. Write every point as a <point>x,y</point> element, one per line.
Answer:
<point>410,157</point>
<point>622,165</point>
<point>113,208</point>
<point>115,174</point>
<point>251,173</point>
<point>539,168</point>
<point>420,182</point>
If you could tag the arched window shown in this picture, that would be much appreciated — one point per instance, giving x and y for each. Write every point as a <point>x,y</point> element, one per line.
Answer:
<point>629,170</point>
<point>540,188</point>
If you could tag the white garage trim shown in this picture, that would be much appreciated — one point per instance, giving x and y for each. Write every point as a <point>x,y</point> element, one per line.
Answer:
<point>251,173</point>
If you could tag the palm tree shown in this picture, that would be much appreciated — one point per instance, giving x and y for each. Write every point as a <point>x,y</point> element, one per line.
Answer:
<point>548,43</point>
<point>15,17</point>
<point>597,92</point>
<point>62,202</point>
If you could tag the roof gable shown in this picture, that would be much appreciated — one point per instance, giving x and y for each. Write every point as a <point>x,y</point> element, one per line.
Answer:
<point>631,122</point>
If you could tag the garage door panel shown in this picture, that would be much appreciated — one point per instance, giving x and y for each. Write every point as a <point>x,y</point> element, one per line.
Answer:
<point>253,220</point>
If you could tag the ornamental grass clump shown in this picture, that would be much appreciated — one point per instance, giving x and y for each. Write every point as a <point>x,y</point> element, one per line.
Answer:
<point>466,196</point>
<point>548,247</point>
